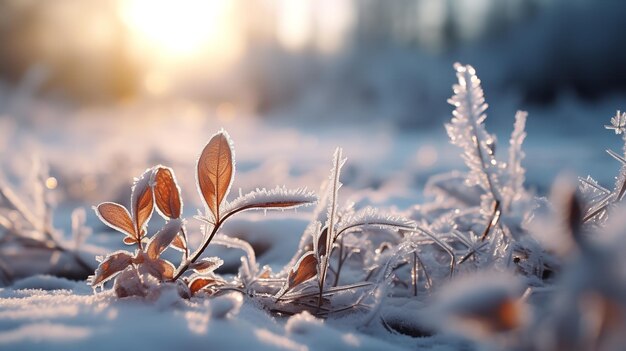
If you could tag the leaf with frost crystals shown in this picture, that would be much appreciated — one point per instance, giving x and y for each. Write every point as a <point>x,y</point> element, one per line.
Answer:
<point>141,201</point>
<point>158,268</point>
<point>333,196</point>
<point>215,172</point>
<point>117,217</point>
<point>163,238</point>
<point>110,266</point>
<point>516,172</point>
<point>466,130</point>
<point>305,269</point>
<point>207,265</point>
<point>198,283</point>
<point>167,193</point>
<point>371,217</point>
<point>277,198</point>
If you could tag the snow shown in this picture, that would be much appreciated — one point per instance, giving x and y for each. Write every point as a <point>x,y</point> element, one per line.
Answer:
<point>386,170</point>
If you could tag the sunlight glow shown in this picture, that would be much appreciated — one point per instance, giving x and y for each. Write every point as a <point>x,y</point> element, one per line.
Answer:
<point>179,27</point>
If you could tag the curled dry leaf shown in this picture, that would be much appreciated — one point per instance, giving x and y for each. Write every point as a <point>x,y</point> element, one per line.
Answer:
<point>200,283</point>
<point>130,240</point>
<point>501,317</point>
<point>304,269</point>
<point>321,243</point>
<point>162,239</point>
<point>158,268</point>
<point>116,217</point>
<point>167,193</point>
<point>207,265</point>
<point>215,172</point>
<point>179,243</point>
<point>129,283</point>
<point>110,266</point>
<point>141,201</point>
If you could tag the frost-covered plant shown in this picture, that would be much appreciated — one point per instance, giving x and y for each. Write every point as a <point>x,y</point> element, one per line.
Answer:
<point>26,222</point>
<point>485,210</point>
<point>134,273</point>
<point>598,199</point>
<point>320,241</point>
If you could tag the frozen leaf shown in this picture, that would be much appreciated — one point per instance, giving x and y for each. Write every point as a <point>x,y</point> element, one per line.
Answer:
<point>277,198</point>
<point>335,184</point>
<point>321,243</point>
<point>129,283</point>
<point>158,268</point>
<point>116,217</point>
<point>305,269</point>
<point>371,217</point>
<point>516,172</point>
<point>215,172</point>
<point>207,265</point>
<point>130,240</point>
<point>110,266</point>
<point>200,283</point>
<point>467,131</point>
<point>179,243</point>
<point>167,193</point>
<point>163,238</point>
<point>141,201</point>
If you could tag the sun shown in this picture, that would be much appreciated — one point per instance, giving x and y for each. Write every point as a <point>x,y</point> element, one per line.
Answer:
<point>175,28</point>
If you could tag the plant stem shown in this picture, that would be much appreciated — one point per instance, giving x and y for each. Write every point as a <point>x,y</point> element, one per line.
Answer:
<point>414,274</point>
<point>199,252</point>
<point>340,262</point>
<point>493,221</point>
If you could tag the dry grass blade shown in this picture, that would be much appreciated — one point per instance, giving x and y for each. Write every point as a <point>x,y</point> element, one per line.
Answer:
<point>167,193</point>
<point>116,217</point>
<point>110,266</point>
<point>215,172</point>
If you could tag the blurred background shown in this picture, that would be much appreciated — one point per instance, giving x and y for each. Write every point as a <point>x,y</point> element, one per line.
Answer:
<point>99,91</point>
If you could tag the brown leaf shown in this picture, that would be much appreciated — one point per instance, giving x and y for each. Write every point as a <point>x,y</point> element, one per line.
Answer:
<point>167,193</point>
<point>179,243</point>
<point>162,239</point>
<point>215,172</point>
<point>305,269</point>
<point>159,268</point>
<point>116,217</point>
<point>321,243</point>
<point>110,266</point>
<point>207,264</point>
<point>129,283</point>
<point>142,202</point>
<point>129,240</point>
<point>199,283</point>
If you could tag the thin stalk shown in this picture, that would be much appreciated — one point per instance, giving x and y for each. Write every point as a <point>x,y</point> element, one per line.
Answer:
<point>444,246</point>
<point>340,262</point>
<point>186,252</point>
<point>414,274</point>
<point>493,221</point>
<point>199,252</point>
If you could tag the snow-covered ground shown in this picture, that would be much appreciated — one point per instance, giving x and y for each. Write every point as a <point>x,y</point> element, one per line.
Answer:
<point>94,154</point>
